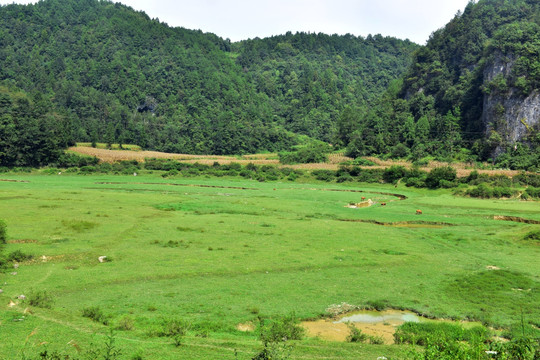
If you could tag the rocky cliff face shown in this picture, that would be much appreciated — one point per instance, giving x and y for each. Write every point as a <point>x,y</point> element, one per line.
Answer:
<point>506,111</point>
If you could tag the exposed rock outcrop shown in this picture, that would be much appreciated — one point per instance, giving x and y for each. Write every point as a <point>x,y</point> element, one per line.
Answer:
<point>506,110</point>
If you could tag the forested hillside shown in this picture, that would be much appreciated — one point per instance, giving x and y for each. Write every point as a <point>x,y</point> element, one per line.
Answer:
<point>471,93</point>
<point>30,133</point>
<point>311,78</point>
<point>119,76</point>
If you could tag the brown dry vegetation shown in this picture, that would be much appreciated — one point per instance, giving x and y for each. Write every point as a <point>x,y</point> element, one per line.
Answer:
<point>104,155</point>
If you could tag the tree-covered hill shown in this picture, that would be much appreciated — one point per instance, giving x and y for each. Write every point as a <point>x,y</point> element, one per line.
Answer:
<point>311,78</point>
<point>471,93</point>
<point>119,76</point>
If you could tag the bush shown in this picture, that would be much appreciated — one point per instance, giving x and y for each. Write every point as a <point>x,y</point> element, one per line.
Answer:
<point>67,160</point>
<point>415,182</point>
<point>533,192</point>
<point>355,334</point>
<point>363,162</point>
<point>532,235</point>
<point>345,177</point>
<point>313,153</point>
<point>3,232</point>
<point>421,333</point>
<point>40,299</point>
<point>280,329</point>
<point>481,191</point>
<point>126,323</point>
<point>19,256</point>
<point>175,329</point>
<point>394,173</point>
<point>96,314</point>
<point>434,177</point>
<point>324,175</point>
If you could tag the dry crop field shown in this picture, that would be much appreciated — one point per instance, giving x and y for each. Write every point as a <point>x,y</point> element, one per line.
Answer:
<point>334,160</point>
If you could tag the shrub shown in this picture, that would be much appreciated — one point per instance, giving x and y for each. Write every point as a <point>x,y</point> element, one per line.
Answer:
<point>345,177</point>
<point>415,182</point>
<point>313,153</point>
<point>481,191</point>
<point>19,256</point>
<point>533,235</point>
<point>274,351</point>
<point>324,175</point>
<point>87,169</point>
<point>126,323</point>
<point>175,329</point>
<point>394,173</point>
<point>67,160</point>
<point>434,177</point>
<point>363,162</point>
<point>96,314</point>
<point>355,334</point>
<point>40,299</point>
<point>3,232</point>
<point>533,192</point>
<point>421,333</point>
<point>280,329</point>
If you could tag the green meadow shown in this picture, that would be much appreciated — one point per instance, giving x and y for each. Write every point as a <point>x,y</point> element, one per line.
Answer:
<point>218,252</point>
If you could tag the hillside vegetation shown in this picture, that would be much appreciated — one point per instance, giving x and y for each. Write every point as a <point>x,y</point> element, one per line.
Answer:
<point>455,102</point>
<point>120,76</point>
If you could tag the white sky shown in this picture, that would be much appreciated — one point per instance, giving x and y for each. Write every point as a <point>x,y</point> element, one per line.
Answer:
<point>242,19</point>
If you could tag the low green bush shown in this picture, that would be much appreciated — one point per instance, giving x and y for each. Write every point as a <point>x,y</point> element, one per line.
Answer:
<point>355,334</point>
<point>394,173</point>
<point>280,329</point>
<point>423,333</point>
<point>434,177</point>
<point>363,162</point>
<point>533,192</point>
<point>19,256</point>
<point>40,298</point>
<point>3,232</point>
<point>324,175</point>
<point>532,235</point>
<point>96,314</point>
<point>312,153</point>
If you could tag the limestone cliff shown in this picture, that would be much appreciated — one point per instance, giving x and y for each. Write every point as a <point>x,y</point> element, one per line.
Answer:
<point>506,111</point>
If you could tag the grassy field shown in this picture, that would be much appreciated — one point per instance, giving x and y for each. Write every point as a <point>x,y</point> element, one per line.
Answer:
<point>220,252</point>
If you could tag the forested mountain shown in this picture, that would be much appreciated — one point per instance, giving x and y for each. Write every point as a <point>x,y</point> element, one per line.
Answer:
<point>471,93</point>
<point>311,78</point>
<point>116,75</point>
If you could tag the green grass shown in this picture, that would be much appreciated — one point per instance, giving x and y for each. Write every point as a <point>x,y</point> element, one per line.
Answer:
<point>112,147</point>
<point>210,255</point>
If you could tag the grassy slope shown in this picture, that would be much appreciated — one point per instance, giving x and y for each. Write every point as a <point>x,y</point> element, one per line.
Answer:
<point>245,253</point>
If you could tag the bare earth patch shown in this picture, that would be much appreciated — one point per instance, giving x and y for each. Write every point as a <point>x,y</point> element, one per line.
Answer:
<point>246,327</point>
<point>330,329</point>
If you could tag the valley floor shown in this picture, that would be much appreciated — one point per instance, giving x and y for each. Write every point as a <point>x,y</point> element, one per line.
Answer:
<point>219,252</point>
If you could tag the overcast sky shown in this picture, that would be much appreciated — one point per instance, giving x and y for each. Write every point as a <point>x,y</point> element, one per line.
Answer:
<point>243,19</point>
